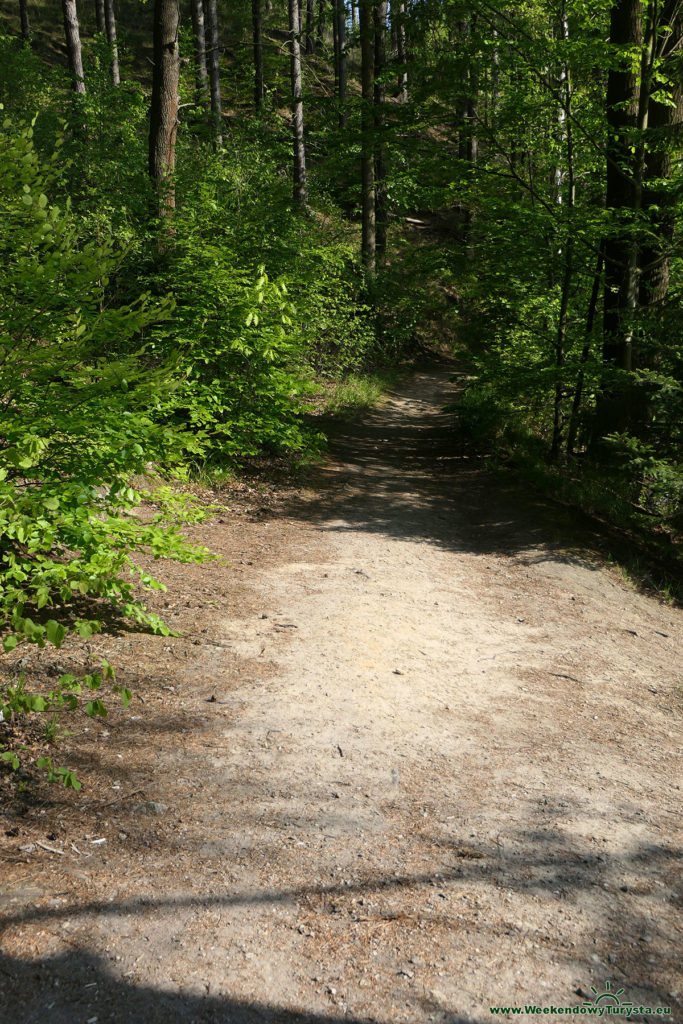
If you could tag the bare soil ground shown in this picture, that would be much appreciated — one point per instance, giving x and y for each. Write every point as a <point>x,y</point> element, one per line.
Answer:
<point>412,757</point>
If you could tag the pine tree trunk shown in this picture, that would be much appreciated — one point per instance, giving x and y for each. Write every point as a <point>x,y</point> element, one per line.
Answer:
<point>164,109</point>
<point>211,16</point>
<point>100,17</point>
<point>73,45</point>
<point>367,49</point>
<point>340,22</point>
<point>257,31</point>
<point>299,151</point>
<point>110,23</point>
<point>199,34</point>
<point>354,15</point>
<point>380,21</point>
<point>310,27</point>
<point>25,23</point>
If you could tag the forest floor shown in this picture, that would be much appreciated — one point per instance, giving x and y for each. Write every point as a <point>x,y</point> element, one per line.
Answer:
<point>414,756</point>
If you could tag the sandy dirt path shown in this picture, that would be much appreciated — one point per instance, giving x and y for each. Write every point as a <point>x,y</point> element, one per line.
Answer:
<point>414,759</point>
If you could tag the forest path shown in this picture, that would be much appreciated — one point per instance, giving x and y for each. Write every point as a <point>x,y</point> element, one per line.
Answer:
<point>413,760</point>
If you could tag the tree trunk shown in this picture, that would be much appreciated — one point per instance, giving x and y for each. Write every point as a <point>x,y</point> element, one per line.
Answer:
<point>658,198</point>
<point>25,23</point>
<point>463,33</point>
<point>201,73</point>
<point>340,23</point>
<point>211,13</point>
<point>256,21</point>
<point>622,112</point>
<point>588,333</point>
<point>380,20</point>
<point>367,49</point>
<point>100,17</point>
<point>110,23</point>
<point>163,123</point>
<point>354,15</point>
<point>473,102</point>
<point>401,53</point>
<point>299,150</point>
<point>565,135</point>
<point>310,27</point>
<point>320,28</point>
<point>73,45</point>
<point>621,199</point>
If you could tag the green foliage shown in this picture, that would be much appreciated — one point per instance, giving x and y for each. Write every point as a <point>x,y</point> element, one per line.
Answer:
<point>78,423</point>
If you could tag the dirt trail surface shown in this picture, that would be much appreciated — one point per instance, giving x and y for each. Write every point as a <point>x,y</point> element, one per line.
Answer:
<point>411,760</point>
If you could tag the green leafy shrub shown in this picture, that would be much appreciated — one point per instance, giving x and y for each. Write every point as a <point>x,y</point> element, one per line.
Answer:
<point>79,421</point>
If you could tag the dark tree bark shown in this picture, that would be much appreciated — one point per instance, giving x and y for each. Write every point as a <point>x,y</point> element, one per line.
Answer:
<point>367,49</point>
<point>199,35</point>
<point>110,23</point>
<point>25,23</point>
<point>73,45</point>
<point>310,27</point>
<point>340,57</point>
<point>211,15</point>
<point>299,150</point>
<point>257,31</point>
<point>380,21</point>
<point>100,17</point>
<point>163,123</point>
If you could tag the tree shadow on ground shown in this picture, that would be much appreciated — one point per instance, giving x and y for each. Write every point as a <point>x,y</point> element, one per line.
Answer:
<point>629,940</point>
<point>77,987</point>
<point>402,471</point>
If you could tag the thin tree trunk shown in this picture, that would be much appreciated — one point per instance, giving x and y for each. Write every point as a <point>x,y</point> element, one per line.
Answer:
<point>164,110</point>
<point>473,102</point>
<point>201,73</point>
<point>367,47</point>
<point>566,134</point>
<point>110,22</point>
<point>401,52</point>
<point>585,352</point>
<point>25,23</point>
<point>340,20</point>
<point>354,15</point>
<point>380,20</point>
<point>100,17</point>
<point>622,110</point>
<point>463,30</point>
<point>310,27</point>
<point>659,199</point>
<point>256,21</point>
<point>73,45</point>
<point>320,27</point>
<point>299,150</point>
<point>211,14</point>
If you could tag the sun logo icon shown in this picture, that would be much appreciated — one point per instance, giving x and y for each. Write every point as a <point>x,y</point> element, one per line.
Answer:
<point>608,997</point>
